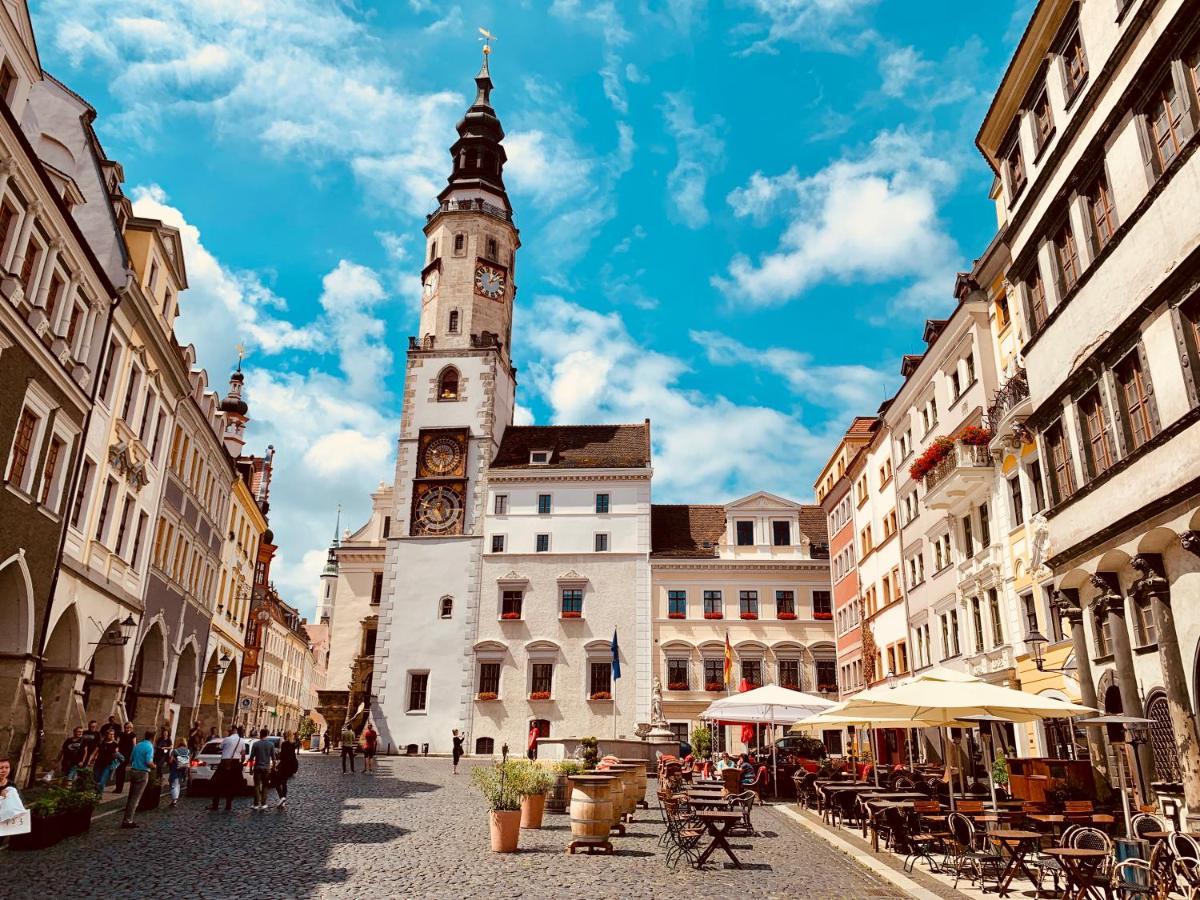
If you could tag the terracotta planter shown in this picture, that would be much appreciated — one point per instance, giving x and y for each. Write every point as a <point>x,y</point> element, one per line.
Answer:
<point>506,828</point>
<point>532,807</point>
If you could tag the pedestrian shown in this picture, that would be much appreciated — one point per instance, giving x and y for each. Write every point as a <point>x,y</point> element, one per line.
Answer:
<point>162,749</point>
<point>125,742</point>
<point>10,800</point>
<point>73,755</point>
<point>370,741</point>
<point>458,748</point>
<point>91,740</point>
<point>195,739</point>
<point>289,764</point>
<point>325,742</point>
<point>348,742</point>
<point>533,740</point>
<point>262,753</point>
<point>213,734</point>
<point>114,724</point>
<point>140,764</point>
<point>227,780</point>
<point>105,762</point>
<point>180,764</point>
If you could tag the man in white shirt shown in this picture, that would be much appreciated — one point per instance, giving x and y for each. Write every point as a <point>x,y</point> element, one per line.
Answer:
<point>228,778</point>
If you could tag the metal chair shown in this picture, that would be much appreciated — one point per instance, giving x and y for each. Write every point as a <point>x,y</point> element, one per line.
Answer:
<point>1186,862</point>
<point>743,803</point>
<point>684,832</point>
<point>964,856</point>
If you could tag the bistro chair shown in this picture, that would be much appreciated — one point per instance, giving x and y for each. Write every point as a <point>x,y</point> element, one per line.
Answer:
<point>1186,863</point>
<point>925,835</point>
<point>743,803</point>
<point>684,833</point>
<point>1144,822</point>
<point>964,857</point>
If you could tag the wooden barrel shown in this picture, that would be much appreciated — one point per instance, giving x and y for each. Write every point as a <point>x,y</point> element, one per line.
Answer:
<point>629,786</point>
<point>559,796</point>
<point>643,775</point>
<point>591,808</point>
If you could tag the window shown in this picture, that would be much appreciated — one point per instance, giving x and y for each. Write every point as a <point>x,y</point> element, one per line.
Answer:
<point>955,385</point>
<point>968,537</point>
<point>123,524</point>
<point>387,526</point>
<point>748,603</point>
<point>572,603</point>
<point>600,542</point>
<point>977,622</point>
<point>1133,393</point>
<point>1054,619</point>
<point>1066,255</point>
<point>448,385</point>
<point>1039,489</point>
<point>543,504</point>
<point>1101,213</point>
<point>153,280</point>
<point>539,457</point>
<point>712,604</point>
<point>600,680</point>
<point>826,671</point>
<point>1100,631</point>
<point>85,490</point>
<point>1094,433</point>
<point>1147,629</point>
<point>602,503</point>
<point>781,534</point>
<point>822,605</point>
<point>985,527</point>
<point>1016,504</point>
<point>1036,293</point>
<point>460,244</point>
<point>493,251</point>
<point>745,533</point>
<point>677,675</point>
<point>542,543</point>
<point>1062,478</point>
<point>510,604</point>
<point>376,587</point>
<point>18,461</point>
<point>543,678</point>
<point>489,678</point>
<point>8,81</point>
<point>1075,70</point>
<point>446,608</point>
<point>500,504</point>
<point>785,604</point>
<point>1043,121</point>
<point>752,672</point>
<point>1165,119</point>
<point>789,674</point>
<point>994,608</point>
<point>1014,167</point>
<point>453,326</point>
<point>418,690</point>
<point>677,604</point>
<point>497,543</point>
<point>105,509</point>
<point>1030,609</point>
<point>714,673</point>
<point>135,380</point>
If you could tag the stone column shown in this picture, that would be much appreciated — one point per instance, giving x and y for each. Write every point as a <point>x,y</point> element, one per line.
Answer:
<point>1108,593</point>
<point>1067,605</point>
<point>22,242</point>
<point>1153,584</point>
<point>46,275</point>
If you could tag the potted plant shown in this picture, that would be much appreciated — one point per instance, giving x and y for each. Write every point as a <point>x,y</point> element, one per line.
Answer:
<point>510,616</point>
<point>787,616</point>
<point>539,695</point>
<point>713,686</point>
<point>823,615</point>
<point>934,454</point>
<point>677,685</point>
<point>601,695</point>
<point>532,783</point>
<point>590,752</point>
<point>676,615</point>
<point>701,741</point>
<point>714,615</point>
<point>750,616</point>
<point>557,799</point>
<point>153,792</point>
<point>1000,770</point>
<point>974,436</point>
<point>572,614</point>
<point>487,695</point>
<point>498,786</point>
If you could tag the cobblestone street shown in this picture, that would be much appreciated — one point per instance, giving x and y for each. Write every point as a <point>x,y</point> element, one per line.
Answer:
<point>414,830</point>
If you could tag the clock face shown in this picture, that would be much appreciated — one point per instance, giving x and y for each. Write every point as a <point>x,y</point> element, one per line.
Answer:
<point>489,281</point>
<point>440,510</point>
<point>442,456</point>
<point>431,284</point>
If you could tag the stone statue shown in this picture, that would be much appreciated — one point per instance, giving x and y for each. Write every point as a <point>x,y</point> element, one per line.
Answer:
<point>656,710</point>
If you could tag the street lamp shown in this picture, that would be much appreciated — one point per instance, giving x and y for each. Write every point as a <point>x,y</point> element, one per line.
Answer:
<point>1036,642</point>
<point>114,637</point>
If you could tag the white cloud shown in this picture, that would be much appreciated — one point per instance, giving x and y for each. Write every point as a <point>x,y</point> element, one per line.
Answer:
<point>340,452</point>
<point>900,68</point>
<point>302,77</point>
<point>588,368</point>
<point>925,84</point>
<point>603,16</point>
<point>700,151</point>
<point>871,219</point>
<point>811,22</point>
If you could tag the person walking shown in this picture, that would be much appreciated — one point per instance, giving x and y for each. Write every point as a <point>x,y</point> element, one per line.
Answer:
<point>348,742</point>
<point>162,750</point>
<point>458,747</point>
<point>262,754</point>
<point>140,763</point>
<point>73,754</point>
<point>289,763</point>
<point>227,780</point>
<point>325,739</point>
<point>106,759</point>
<point>179,765</point>
<point>533,739</point>
<point>195,739</point>
<point>370,742</point>
<point>125,741</point>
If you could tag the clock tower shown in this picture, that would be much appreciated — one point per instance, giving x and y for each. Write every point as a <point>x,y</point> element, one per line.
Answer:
<point>459,394</point>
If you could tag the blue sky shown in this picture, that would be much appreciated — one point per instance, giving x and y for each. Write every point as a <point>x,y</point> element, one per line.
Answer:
<point>735,214</point>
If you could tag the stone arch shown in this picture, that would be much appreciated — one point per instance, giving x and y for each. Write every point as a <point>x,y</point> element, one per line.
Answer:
<point>61,680</point>
<point>1158,540</point>
<point>185,688</point>
<point>1165,750</point>
<point>448,381</point>
<point>104,684</point>
<point>1073,580</point>
<point>16,605</point>
<point>145,697</point>
<point>16,661</point>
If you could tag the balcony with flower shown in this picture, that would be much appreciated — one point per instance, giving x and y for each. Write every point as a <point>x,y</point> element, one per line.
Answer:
<point>539,695</point>
<point>749,616</point>
<point>1009,409</point>
<point>714,615</point>
<point>678,686</point>
<point>714,687</point>
<point>957,472</point>
<point>600,695</point>
<point>486,696</point>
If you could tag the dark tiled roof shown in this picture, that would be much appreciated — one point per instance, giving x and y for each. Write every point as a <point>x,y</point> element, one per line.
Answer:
<point>681,531</point>
<point>814,525</point>
<point>862,426</point>
<point>576,446</point>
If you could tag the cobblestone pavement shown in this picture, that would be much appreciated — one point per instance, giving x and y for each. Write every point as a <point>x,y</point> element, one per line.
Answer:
<point>413,830</point>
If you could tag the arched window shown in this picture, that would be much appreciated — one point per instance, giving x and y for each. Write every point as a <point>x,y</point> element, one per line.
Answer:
<point>454,321</point>
<point>446,608</point>
<point>460,243</point>
<point>1162,739</point>
<point>484,746</point>
<point>448,384</point>
<point>493,249</point>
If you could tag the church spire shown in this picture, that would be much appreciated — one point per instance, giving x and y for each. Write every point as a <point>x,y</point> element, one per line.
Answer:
<point>478,167</point>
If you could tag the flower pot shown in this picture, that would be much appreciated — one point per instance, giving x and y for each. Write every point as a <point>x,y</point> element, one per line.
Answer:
<point>750,617</point>
<point>506,828</point>
<point>44,831</point>
<point>77,821</point>
<point>532,807</point>
<point>787,616</point>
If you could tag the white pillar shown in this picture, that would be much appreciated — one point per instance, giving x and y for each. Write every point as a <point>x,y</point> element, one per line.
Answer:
<point>41,281</point>
<point>22,242</point>
<point>68,309</point>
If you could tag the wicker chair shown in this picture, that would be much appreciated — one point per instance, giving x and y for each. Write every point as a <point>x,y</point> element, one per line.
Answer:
<point>1144,822</point>
<point>1185,851</point>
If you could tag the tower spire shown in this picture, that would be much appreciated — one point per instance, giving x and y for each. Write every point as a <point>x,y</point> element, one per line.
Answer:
<point>478,170</point>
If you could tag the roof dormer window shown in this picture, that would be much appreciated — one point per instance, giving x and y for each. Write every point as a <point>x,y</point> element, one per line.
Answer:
<point>539,457</point>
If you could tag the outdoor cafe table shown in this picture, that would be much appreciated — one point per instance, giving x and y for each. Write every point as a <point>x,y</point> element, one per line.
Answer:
<point>1079,867</point>
<point>1019,845</point>
<point>1056,821</point>
<point>717,824</point>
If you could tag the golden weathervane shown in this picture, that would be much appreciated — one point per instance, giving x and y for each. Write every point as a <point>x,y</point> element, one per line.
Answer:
<point>487,39</point>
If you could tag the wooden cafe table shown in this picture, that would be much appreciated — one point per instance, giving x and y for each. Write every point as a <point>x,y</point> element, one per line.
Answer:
<point>717,823</point>
<point>1079,867</point>
<point>1019,845</point>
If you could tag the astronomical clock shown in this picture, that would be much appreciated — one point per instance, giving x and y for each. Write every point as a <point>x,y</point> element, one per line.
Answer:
<point>439,491</point>
<point>491,279</point>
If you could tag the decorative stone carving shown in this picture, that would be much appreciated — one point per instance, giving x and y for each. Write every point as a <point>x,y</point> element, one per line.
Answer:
<point>1107,597</point>
<point>1190,541</point>
<point>656,704</point>
<point>1151,583</point>
<point>1040,541</point>
<point>1066,607</point>
<point>124,461</point>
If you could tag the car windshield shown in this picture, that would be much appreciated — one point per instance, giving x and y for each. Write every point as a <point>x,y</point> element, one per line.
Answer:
<point>212,747</point>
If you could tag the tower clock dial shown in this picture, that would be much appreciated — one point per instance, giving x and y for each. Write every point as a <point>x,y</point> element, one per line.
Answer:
<point>490,280</point>
<point>442,456</point>
<point>440,510</point>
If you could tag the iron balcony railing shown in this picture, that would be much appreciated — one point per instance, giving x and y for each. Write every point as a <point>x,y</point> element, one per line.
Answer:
<point>474,205</point>
<point>963,456</point>
<point>1005,400</point>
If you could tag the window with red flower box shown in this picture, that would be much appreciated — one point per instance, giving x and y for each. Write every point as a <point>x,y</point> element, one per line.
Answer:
<point>600,680</point>
<point>542,681</point>
<point>714,615</point>
<point>601,695</point>
<point>510,604</point>
<point>785,604</point>
<point>676,604</point>
<point>713,605</point>
<point>713,686</point>
<point>748,604</point>
<point>487,695</point>
<point>787,616</point>
<point>677,674</point>
<point>572,603</point>
<point>539,695</point>
<point>822,604</point>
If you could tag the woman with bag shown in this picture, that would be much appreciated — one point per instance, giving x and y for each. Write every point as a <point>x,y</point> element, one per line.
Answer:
<point>288,764</point>
<point>180,762</point>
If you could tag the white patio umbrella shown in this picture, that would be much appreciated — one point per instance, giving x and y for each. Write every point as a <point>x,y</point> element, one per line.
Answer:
<point>771,705</point>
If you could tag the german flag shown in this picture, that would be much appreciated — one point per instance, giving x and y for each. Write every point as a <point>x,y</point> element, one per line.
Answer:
<point>728,659</point>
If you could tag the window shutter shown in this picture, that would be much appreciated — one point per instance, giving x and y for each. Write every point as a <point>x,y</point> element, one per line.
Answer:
<point>1146,145</point>
<point>1184,100</point>
<point>1083,203</point>
<point>1151,402</point>
<point>1111,388</point>
<point>1081,441</point>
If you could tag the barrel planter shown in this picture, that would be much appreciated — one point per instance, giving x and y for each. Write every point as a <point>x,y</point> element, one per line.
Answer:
<point>591,812</point>
<point>629,786</point>
<point>643,780</point>
<point>559,796</point>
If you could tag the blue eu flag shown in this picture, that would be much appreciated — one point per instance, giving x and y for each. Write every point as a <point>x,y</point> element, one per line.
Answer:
<point>616,660</point>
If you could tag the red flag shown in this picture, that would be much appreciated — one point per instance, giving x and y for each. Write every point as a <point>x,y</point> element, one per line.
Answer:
<point>728,659</point>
